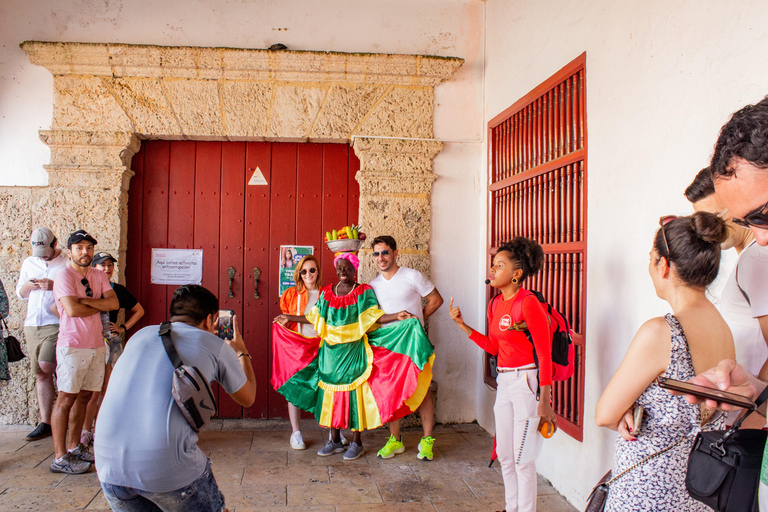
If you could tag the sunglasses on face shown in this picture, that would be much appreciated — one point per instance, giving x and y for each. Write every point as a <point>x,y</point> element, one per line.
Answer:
<point>756,218</point>
<point>310,270</point>
<point>385,252</point>
<point>88,291</point>
<point>663,221</point>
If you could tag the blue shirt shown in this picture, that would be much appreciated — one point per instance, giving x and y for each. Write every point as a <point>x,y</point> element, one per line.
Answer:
<point>143,440</point>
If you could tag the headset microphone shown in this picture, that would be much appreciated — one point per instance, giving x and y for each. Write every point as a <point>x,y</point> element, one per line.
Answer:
<point>487,281</point>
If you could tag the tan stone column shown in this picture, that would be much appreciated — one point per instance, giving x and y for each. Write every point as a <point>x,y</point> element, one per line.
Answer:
<point>89,175</point>
<point>395,180</point>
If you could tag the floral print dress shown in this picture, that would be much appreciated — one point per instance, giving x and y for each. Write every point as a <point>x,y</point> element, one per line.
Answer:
<point>659,485</point>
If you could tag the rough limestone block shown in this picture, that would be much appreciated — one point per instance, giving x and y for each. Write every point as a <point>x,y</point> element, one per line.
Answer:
<point>381,183</point>
<point>345,107</point>
<point>439,68</point>
<point>246,65</point>
<point>125,144</point>
<point>396,155</point>
<point>379,66</point>
<point>180,62</point>
<point>85,103</point>
<point>245,108</point>
<point>145,103</point>
<point>136,60</point>
<point>403,112</point>
<point>209,63</point>
<point>294,109</point>
<point>94,210</point>
<point>14,212</point>
<point>406,218</point>
<point>17,401</point>
<point>196,104</point>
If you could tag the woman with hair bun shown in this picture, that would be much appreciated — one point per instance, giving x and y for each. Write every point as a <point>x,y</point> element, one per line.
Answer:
<point>516,394</point>
<point>684,260</point>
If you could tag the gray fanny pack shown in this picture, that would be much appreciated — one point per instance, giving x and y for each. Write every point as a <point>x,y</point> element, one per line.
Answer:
<point>190,388</point>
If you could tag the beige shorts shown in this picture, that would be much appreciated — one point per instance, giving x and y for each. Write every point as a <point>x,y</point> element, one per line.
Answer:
<point>80,369</point>
<point>41,344</point>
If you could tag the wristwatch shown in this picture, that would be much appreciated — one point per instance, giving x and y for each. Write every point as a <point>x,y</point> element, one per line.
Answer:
<point>124,327</point>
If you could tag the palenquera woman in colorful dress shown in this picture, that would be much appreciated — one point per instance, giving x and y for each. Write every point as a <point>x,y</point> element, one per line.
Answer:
<point>358,374</point>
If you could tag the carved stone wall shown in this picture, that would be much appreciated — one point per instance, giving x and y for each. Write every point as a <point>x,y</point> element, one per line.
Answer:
<point>108,97</point>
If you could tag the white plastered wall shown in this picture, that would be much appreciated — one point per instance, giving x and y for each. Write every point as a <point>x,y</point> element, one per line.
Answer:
<point>661,80</point>
<point>430,27</point>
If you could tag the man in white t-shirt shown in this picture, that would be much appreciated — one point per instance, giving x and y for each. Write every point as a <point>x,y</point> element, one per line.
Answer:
<point>744,300</point>
<point>739,169</point>
<point>400,288</point>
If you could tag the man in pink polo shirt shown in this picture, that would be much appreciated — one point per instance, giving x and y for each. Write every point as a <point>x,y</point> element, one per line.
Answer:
<point>81,292</point>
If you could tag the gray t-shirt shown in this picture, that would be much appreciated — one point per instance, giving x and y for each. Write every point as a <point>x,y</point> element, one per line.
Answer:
<point>143,440</point>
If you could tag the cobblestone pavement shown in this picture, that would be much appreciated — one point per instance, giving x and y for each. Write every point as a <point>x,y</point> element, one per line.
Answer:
<point>258,471</point>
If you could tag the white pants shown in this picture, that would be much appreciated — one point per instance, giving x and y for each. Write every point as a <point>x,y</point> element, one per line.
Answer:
<point>515,403</point>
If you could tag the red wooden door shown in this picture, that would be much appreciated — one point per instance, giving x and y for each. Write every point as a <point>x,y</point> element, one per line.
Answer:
<point>196,195</point>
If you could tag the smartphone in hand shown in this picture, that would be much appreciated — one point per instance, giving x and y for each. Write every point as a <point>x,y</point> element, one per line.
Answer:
<point>226,328</point>
<point>706,393</point>
<point>638,418</point>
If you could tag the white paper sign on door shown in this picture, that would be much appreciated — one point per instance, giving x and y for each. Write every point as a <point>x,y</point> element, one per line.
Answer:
<point>177,266</point>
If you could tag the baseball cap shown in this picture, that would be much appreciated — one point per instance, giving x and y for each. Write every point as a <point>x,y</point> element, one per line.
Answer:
<point>79,236</point>
<point>101,258</point>
<point>41,240</point>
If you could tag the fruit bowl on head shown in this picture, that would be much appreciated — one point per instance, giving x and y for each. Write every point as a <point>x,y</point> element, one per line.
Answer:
<point>345,245</point>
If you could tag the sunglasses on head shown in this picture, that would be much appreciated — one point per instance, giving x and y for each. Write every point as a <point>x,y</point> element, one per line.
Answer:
<point>88,291</point>
<point>663,221</point>
<point>756,218</point>
<point>310,270</point>
<point>385,252</point>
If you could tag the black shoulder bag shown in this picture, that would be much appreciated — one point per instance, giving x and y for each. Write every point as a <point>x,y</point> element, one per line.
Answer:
<point>724,466</point>
<point>12,345</point>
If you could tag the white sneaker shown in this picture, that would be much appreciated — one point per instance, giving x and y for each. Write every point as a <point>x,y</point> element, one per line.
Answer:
<point>297,442</point>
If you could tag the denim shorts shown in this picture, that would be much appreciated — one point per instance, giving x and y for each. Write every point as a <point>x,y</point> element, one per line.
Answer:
<point>202,495</point>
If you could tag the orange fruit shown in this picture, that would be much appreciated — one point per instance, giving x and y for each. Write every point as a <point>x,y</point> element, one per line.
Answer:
<point>547,430</point>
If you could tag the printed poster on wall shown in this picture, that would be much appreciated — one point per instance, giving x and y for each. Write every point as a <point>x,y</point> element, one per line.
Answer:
<point>177,266</point>
<point>290,255</point>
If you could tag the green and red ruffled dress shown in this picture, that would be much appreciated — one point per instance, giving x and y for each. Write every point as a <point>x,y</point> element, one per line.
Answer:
<point>358,374</point>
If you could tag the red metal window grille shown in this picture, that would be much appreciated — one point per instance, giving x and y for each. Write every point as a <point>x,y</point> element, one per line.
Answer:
<point>538,189</point>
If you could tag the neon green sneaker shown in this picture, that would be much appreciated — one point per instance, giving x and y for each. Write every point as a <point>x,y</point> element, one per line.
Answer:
<point>392,447</point>
<point>425,448</point>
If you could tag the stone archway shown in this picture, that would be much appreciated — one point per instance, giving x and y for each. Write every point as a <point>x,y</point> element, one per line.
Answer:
<point>107,97</point>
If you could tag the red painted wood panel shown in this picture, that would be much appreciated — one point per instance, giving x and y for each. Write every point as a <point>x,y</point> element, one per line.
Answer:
<point>335,156</point>
<point>154,227</point>
<point>207,211</point>
<point>181,200</point>
<point>232,245</point>
<point>134,280</point>
<point>282,230</point>
<point>353,188</point>
<point>257,323</point>
<point>195,195</point>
